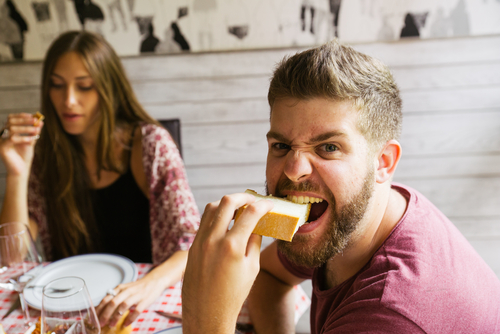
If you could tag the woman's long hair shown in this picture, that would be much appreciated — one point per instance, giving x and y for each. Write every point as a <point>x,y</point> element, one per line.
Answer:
<point>64,177</point>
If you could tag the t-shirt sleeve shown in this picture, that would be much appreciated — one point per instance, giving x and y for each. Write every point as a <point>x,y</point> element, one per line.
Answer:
<point>301,272</point>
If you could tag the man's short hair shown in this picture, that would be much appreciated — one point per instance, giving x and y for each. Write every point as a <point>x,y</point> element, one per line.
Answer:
<point>340,73</point>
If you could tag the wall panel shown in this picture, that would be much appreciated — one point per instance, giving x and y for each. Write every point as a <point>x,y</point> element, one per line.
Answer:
<point>451,132</point>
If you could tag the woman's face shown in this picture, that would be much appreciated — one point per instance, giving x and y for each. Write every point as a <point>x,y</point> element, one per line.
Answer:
<point>74,96</point>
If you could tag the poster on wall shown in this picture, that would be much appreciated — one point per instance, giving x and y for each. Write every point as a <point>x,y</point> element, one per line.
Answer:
<point>134,27</point>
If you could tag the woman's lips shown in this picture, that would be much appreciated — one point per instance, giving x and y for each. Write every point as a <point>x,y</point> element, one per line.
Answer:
<point>71,117</point>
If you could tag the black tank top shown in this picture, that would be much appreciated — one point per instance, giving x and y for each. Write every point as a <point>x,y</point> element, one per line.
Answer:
<point>121,212</point>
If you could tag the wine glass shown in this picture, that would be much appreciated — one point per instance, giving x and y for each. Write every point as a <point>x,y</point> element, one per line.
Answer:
<point>67,308</point>
<point>19,260</point>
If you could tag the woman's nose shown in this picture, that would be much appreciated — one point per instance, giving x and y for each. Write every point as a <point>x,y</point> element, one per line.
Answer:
<point>71,97</point>
<point>297,167</point>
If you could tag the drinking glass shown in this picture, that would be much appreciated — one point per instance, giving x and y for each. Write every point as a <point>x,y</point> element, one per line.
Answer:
<point>19,260</point>
<point>67,308</point>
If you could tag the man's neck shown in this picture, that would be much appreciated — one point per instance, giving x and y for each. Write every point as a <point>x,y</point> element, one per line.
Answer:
<point>382,217</point>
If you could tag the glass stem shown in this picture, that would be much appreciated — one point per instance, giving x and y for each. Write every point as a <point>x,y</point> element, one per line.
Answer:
<point>25,309</point>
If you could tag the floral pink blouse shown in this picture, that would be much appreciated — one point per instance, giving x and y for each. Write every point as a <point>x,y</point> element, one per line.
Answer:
<point>173,215</point>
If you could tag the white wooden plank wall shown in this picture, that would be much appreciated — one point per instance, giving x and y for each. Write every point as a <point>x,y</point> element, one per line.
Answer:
<point>451,136</point>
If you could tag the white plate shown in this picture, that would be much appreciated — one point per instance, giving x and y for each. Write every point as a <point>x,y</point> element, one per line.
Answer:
<point>100,272</point>
<point>172,330</point>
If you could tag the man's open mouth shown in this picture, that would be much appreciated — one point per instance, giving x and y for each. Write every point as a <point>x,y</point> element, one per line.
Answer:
<point>318,205</point>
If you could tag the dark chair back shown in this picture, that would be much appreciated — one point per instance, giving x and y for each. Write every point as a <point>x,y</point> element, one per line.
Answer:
<point>174,128</point>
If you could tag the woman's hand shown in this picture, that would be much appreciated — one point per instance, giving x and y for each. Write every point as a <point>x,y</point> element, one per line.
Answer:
<point>139,295</point>
<point>18,141</point>
<point>222,265</point>
<point>134,297</point>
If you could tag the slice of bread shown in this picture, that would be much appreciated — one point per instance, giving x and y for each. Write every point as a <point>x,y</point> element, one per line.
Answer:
<point>283,221</point>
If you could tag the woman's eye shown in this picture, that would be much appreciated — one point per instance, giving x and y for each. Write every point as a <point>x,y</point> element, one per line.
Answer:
<point>85,88</point>
<point>56,85</point>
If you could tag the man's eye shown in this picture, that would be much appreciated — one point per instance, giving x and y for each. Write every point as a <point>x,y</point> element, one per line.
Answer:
<point>279,149</point>
<point>330,148</point>
<point>280,146</point>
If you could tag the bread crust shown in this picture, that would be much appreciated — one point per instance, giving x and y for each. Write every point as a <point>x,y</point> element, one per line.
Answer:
<point>277,225</point>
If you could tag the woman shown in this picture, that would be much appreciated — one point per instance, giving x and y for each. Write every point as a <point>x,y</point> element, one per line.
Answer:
<point>105,176</point>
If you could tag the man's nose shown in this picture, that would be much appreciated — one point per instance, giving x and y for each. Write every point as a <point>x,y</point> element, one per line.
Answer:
<point>297,167</point>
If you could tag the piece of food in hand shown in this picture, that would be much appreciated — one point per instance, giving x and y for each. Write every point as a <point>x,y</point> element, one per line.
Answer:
<point>38,118</point>
<point>119,328</point>
<point>283,221</point>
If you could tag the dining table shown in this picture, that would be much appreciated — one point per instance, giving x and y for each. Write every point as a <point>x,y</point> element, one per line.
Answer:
<point>149,321</point>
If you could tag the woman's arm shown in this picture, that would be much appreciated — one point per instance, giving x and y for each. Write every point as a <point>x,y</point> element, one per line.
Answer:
<point>174,216</point>
<point>137,296</point>
<point>16,152</point>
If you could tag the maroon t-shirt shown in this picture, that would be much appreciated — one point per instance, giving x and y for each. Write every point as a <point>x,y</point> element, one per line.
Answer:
<point>425,278</point>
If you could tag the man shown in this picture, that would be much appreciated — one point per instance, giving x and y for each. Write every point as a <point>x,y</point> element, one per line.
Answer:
<point>381,257</point>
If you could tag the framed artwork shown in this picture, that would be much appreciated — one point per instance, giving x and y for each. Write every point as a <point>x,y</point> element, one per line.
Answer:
<point>27,27</point>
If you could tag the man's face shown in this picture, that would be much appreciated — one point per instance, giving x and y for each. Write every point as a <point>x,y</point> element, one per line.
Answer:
<point>317,152</point>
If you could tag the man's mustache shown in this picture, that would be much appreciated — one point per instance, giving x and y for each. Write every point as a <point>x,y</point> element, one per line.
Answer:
<point>287,184</point>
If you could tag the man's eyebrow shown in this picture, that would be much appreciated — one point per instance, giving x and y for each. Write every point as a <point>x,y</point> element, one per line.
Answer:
<point>327,135</point>
<point>318,138</point>
<point>277,136</point>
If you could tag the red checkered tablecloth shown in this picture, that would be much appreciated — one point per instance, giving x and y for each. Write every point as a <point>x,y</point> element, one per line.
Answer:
<point>149,321</point>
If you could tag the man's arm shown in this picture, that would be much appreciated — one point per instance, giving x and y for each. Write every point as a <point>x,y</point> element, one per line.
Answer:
<point>271,301</point>
<point>222,265</point>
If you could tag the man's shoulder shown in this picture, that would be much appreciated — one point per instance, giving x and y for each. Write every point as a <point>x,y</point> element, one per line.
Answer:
<point>425,274</point>
<point>433,271</point>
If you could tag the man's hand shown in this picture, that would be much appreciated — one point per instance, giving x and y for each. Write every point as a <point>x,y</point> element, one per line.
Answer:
<point>222,265</point>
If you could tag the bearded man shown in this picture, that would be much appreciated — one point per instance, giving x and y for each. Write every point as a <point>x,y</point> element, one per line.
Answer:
<point>381,257</point>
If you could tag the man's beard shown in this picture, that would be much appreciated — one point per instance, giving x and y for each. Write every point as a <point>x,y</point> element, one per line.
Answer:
<point>303,250</point>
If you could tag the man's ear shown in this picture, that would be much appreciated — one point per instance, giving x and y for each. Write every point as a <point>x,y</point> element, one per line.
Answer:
<point>388,158</point>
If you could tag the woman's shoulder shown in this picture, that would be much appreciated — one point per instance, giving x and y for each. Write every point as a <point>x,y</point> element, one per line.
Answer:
<point>154,133</point>
<point>157,143</point>
<point>156,136</point>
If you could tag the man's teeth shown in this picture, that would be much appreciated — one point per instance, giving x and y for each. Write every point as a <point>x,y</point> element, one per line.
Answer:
<point>303,199</point>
